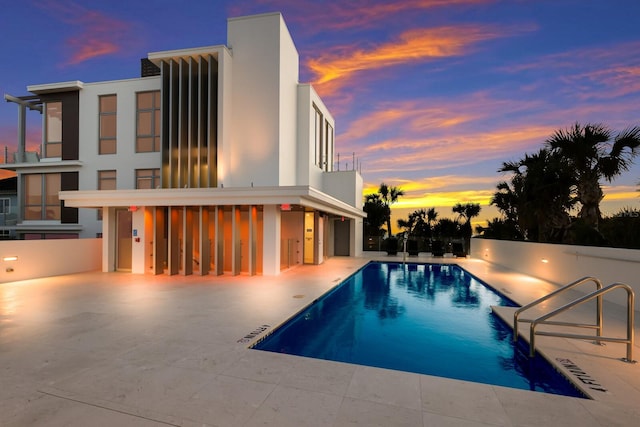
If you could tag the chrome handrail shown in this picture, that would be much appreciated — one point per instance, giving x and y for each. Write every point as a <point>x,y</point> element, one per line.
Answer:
<point>596,294</point>
<point>578,282</point>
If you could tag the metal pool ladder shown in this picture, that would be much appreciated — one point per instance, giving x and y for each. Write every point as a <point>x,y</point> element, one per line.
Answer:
<point>597,294</point>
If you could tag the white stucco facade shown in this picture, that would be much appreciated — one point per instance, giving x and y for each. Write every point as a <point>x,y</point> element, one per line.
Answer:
<point>245,179</point>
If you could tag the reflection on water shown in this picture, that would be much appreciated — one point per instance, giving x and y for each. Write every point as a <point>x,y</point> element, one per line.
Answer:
<point>425,318</point>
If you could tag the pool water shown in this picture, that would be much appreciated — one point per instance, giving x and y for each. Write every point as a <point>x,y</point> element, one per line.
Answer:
<point>432,319</point>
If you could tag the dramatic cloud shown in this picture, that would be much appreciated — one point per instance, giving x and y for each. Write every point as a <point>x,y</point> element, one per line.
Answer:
<point>436,133</point>
<point>96,34</point>
<point>333,69</point>
<point>316,17</point>
<point>594,73</point>
<point>453,151</point>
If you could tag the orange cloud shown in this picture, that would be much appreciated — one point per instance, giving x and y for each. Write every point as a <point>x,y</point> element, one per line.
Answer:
<point>456,150</point>
<point>97,33</point>
<point>441,193</point>
<point>332,70</point>
<point>416,116</point>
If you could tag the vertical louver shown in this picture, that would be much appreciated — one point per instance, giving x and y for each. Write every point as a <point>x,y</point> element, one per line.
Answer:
<point>189,122</point>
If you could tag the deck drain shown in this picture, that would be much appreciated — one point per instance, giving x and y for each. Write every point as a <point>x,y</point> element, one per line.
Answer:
<point>298,296</point>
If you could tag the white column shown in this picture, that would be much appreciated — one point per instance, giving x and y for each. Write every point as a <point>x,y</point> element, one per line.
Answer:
<point>355,233</point>
<point>108,240</point>
<point>271,239</point>
<point>138,241</point>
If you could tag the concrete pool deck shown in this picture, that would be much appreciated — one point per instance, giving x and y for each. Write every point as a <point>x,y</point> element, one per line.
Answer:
<point>105,349</point>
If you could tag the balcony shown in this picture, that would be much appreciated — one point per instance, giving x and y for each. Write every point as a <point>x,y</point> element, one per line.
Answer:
<point>17,157</point>
<point>32,162</point>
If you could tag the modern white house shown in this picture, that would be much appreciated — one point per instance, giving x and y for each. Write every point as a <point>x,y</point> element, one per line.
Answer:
<point>215,161</point>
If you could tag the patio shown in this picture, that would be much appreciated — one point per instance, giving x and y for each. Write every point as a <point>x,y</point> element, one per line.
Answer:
<point>105,349</point>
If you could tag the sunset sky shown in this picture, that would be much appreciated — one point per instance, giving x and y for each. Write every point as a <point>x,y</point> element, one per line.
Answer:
<point>431,95</point>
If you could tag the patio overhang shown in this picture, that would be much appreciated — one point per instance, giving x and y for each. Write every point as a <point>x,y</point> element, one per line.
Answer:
<point>293,195</point>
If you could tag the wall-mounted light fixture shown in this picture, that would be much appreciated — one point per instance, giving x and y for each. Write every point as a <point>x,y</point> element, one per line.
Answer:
<point>10,258</point>
<point>544,260</point>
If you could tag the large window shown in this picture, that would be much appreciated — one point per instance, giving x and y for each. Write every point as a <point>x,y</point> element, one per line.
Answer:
<point>148,122</point>
<point>41,196</point>
<point>318,145</point>
<point>328,149</point>
<point>108,126</point>
<point>107,180</point>
<point>53,129</point>
<point>147,179</point>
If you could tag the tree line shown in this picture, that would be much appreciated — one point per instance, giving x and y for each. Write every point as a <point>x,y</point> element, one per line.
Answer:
<point>552,196</point>
<point>422,228</point>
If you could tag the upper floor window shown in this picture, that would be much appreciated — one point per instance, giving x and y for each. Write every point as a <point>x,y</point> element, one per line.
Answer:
<point>53,129</point>
<point>41,196</point>
<point>318,140</point>
<point>148,122</point>
<point>108,125</point>
<point>107,180</point>
<point>328,147</point>
<point>147,178</point>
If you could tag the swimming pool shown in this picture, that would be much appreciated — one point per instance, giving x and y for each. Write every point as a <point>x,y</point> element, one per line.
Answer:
<point>432,319</point>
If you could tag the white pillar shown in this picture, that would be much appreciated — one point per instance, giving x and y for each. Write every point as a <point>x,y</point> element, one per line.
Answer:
<point>108,240</point>
<point>271,239</point>
<point>138,241</point>
<point>356,236</point>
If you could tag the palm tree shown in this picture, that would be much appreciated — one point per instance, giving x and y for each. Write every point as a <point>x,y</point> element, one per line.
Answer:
<point>377,214</point>
<point>408,225</point>
<point>389,196</point>
<point>539,197</point>
<point>592,156</point>
<point>432,215</point>
<point>467,211</point>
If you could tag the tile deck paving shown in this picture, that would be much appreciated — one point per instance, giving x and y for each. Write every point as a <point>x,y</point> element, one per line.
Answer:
<point>105,349</point>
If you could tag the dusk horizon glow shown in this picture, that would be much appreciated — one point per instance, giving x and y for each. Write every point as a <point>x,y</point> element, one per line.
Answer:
<point>431,96</point>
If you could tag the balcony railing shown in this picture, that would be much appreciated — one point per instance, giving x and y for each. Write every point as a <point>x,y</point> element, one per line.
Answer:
<point>17,157</point>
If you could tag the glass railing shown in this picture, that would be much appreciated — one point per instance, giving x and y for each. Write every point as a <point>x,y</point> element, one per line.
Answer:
<point>17,157</point>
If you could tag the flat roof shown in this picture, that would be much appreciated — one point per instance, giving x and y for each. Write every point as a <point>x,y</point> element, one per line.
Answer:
<point>56,87</point>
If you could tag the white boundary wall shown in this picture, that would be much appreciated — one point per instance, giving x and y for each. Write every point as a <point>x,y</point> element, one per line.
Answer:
<point>44,258</point>
<point>563,264</point>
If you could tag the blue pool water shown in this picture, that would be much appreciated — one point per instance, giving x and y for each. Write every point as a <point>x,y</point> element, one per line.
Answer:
<point>432,319</point>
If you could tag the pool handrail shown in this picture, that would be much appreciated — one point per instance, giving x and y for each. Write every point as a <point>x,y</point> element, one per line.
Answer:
<point>629,341</point>
<point>571,285</point>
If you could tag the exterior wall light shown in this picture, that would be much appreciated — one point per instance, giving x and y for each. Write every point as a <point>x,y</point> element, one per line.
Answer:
<point>544,260</point>
<point>10,258</point>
